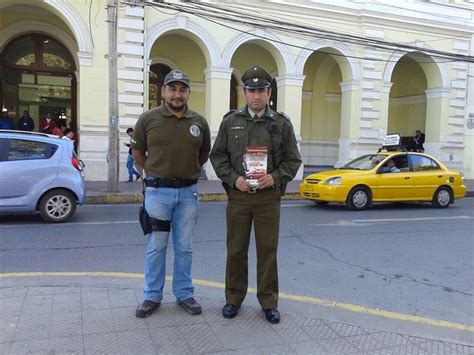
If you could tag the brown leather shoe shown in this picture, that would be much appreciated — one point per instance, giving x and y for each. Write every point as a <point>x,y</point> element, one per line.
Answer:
<point>146,308</point>
<point>190,305</point>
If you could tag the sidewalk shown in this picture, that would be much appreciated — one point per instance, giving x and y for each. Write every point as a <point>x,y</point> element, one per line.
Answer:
<point>209,190</point>
<point>92,314</point>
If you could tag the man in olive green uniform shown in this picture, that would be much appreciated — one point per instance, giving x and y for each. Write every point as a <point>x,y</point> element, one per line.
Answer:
<point>254,136</point>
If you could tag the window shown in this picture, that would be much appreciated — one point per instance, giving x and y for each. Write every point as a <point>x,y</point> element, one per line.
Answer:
<point>27,150</point>
<point>422,163</point>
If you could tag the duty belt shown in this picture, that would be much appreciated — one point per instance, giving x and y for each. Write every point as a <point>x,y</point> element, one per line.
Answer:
<point>173,183</point>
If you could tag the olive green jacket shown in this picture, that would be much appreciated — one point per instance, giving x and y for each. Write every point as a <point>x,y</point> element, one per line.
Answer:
<point>238,130</point>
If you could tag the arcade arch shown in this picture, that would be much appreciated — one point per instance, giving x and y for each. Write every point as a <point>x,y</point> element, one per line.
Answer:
<point>321,109</point>
<point>417,96</point>
<point>177,47</point>
<point>38,75</point>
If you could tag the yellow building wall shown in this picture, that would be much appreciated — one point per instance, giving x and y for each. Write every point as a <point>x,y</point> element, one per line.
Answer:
<point>321,116</point>
<point>406,119</point>
<point>182,51</point>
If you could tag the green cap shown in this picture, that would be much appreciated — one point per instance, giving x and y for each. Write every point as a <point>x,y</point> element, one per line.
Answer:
<point>177,75</point>
<point>256,78</point>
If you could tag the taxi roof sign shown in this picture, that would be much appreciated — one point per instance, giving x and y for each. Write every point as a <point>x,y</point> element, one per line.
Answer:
<point>391,140</point>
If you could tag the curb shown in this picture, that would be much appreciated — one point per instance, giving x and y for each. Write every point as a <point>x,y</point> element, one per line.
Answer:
<point>113,198</point>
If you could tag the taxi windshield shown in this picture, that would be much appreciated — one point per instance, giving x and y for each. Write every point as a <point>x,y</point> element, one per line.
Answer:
<point>365,162</point>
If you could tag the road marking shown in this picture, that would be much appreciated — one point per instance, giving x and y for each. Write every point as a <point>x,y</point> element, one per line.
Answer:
<point>287,296</point>
<point>410,219</point>
<point>64,224</point>
<point>366,222</point>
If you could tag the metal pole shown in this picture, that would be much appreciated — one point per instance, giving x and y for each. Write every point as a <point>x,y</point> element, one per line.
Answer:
<point>113,152</point>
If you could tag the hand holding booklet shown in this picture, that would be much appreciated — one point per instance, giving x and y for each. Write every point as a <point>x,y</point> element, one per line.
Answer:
<point>255,164</point>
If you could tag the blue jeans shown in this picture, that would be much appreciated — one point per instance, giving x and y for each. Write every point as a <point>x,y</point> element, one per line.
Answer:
<point>179,206</point>
<point>131,169</point>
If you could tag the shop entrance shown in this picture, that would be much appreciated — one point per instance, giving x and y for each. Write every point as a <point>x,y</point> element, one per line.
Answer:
<point>38,75</point>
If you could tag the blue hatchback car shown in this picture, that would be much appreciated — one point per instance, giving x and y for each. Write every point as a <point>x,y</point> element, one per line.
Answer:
<point>40,173</point>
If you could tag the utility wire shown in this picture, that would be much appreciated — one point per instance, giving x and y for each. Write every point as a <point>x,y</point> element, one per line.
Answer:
<point>219,15</point>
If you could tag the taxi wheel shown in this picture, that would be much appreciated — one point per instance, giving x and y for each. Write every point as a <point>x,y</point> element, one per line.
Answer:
<point>57,206</point>
<point>442,197</point>
<point>359,198</point>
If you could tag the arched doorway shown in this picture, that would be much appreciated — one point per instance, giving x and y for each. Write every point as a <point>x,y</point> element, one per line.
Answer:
<point>38,75</point>
<point>407,102</point>
<point>158,72</point>
<point>321,111</point>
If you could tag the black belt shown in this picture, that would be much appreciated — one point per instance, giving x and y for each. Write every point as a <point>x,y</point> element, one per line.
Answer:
<point>174,183</point>
<point>253,191</point>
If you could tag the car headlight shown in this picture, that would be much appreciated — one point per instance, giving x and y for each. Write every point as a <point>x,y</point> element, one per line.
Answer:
<point>333,181</point>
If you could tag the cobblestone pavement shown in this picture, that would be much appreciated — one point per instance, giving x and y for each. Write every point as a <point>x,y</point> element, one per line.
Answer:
<point>92,320</point>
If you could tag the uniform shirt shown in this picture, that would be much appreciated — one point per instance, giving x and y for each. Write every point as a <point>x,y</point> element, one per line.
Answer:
<point>173,144</point>
<point>239,130</point>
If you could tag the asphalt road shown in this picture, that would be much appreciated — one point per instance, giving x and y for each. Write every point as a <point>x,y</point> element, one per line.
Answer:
<point>406,258</point>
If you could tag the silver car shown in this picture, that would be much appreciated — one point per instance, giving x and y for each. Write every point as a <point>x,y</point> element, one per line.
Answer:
<point>40,173</point>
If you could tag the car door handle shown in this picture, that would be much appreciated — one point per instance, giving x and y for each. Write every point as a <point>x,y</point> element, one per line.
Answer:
<point>440,176</point>
<point>407,177</point>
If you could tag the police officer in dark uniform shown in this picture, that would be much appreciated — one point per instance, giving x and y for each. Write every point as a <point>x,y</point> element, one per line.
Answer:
<point>254,128</point>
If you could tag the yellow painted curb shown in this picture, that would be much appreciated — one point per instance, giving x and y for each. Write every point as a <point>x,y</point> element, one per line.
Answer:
<point>286,296</point>
<point>113,198</point>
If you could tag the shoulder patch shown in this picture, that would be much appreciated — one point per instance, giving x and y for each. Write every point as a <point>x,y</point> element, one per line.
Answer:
<point>284,115</point>
<point>228,113</point>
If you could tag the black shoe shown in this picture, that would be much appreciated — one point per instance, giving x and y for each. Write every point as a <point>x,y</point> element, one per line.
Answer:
<point>138,177</point>
<point>191,306</point>
<point>230,311</point>
<point>146,308</point>
<point>272,315</point>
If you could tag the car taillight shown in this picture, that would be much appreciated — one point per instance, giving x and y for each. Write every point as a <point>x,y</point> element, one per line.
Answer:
<point>75,163</point>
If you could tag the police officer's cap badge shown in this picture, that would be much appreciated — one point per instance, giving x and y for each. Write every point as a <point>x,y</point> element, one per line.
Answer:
<point>195,130</point>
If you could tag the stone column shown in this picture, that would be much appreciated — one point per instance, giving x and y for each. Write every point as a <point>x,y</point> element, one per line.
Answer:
<point>350,120</point>
<point>290,98</point>
<point>217,104</point>
<point>217,95</point>
<point>437,113</point>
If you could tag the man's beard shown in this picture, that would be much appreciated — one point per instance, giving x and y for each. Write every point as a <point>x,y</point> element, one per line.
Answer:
<point>176,106</point>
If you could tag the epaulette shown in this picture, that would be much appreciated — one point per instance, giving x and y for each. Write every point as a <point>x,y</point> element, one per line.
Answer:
<point>228,113</point>
<point>284,115</point>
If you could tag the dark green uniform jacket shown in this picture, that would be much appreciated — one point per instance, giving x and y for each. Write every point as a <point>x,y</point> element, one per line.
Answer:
<point>238,130</point>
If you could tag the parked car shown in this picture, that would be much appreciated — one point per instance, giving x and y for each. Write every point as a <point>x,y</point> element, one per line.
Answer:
<point>370,178</point>
<point>40,173</point>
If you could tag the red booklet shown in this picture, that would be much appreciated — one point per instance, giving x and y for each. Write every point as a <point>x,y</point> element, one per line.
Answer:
<point>255,163</point>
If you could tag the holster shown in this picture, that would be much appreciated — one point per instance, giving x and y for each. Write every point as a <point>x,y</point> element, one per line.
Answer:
<point>144,220</point>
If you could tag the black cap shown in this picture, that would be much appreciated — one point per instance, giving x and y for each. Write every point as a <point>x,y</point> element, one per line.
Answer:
<point>177,75</point>
<point>256,78</point>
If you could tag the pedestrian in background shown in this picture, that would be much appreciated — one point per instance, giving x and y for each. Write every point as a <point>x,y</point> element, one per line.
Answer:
<point>259,129</point>
<point>68,134</point>
<point>25,122</point>
<point>130,163</point>
<point>6,122</point>
<point>47,124</point>
<point>171,142</point>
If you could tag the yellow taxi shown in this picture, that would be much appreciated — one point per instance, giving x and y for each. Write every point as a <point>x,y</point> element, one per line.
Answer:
<point>385,176</point>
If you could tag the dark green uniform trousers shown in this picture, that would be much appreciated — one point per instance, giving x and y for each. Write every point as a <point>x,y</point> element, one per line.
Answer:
<point>263,208</point>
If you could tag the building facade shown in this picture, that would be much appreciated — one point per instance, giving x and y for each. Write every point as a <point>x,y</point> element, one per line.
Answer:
<point>346,72</point>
